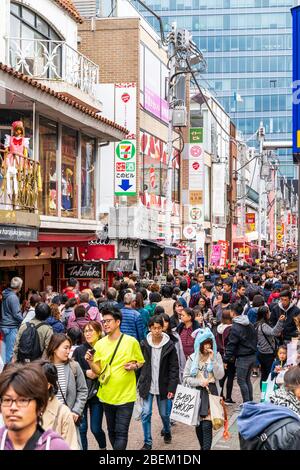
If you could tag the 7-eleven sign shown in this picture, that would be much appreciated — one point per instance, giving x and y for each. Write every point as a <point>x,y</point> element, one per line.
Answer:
<point>126,150</point>
<point>125,168</point>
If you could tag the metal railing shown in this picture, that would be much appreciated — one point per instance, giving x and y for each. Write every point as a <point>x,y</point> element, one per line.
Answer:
<point>20,182</point>
<point>52,60</point>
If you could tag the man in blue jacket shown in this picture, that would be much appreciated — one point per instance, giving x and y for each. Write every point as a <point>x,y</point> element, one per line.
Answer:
<point>11,316</point>
<point>132,322</point>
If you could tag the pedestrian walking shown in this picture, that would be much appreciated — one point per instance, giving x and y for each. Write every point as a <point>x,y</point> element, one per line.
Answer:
<point>11,317</point>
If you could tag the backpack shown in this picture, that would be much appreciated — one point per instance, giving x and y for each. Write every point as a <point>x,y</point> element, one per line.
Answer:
<point>29,347</point>
<point>260,442</point>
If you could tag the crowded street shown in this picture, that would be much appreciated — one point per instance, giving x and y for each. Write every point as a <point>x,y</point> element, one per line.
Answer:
<point>149,230</point>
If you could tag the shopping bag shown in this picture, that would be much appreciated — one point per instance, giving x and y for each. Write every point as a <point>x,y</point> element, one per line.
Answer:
<point>138,406</point>
<point>186,405</point>
<point>216,411</point>
<point>267,388</point>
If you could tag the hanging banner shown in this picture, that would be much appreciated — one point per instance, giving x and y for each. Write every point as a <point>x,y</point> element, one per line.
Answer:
<point>224,253</point>
<point>296,82</point>
<point>250,222</point>
<point>125,151</point>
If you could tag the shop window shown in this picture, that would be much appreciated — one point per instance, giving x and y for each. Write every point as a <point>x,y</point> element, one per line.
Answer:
<point>87,177</point>
<point>47,154</point>
<point>69,206</point>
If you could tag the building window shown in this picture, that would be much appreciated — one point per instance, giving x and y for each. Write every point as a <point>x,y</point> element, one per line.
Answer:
<point>47,155</point>
<point>87,177</point>
<point>32,43</point>
<point>68,173</point>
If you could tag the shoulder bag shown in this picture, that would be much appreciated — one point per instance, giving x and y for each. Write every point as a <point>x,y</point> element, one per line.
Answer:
<point>106,372</point>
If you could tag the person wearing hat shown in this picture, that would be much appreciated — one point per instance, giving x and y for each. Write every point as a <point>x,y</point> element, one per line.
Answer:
<point>204,368</point>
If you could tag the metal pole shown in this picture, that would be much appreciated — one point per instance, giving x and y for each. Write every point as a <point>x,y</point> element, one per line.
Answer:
<point>261,136</point>
<point>172,70</point>
<point>275,209</point>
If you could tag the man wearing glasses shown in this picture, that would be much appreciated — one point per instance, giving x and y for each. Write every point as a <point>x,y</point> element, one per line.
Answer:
<point>23,398</point>
<point>120,355</point>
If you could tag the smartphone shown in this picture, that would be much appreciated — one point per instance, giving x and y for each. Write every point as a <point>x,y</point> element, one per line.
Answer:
<point>91,351</point>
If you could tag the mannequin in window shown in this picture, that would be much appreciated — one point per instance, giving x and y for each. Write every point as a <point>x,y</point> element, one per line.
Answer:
<point>16,146</point>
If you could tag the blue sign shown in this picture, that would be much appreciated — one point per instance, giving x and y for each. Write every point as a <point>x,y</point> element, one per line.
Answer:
<point>296,83</point>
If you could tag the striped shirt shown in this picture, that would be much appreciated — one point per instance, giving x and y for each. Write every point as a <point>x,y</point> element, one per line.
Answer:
<point>62,389</point>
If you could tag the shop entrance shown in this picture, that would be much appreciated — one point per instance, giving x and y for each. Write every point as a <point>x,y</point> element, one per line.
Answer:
<point>7,273</point>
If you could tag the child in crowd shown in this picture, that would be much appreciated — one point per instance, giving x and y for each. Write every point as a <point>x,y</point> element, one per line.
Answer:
<point>279,364</point>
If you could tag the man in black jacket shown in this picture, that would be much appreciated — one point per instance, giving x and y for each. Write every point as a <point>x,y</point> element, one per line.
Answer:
<point>159,377</point>
<point>290,311</point>
<point>241,346</point>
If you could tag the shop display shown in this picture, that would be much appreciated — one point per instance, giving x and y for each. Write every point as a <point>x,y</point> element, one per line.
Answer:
<point>20,176</point>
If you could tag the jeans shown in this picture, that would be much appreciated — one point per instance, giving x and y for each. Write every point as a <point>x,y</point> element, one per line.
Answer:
<point>229,375</point>
<point>244,365</point>
<point>10,335</point>
<point>266,361</point>
<point>147,414</point>
<point>96,414</point>
<point>118,420</point>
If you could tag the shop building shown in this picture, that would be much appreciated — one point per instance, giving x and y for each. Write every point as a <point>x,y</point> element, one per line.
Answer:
<point>133,78</point>
<point>50,199</point>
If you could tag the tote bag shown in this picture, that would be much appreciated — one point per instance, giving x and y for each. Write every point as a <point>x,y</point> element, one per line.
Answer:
<point>186,405</point>
<point>216,411</point>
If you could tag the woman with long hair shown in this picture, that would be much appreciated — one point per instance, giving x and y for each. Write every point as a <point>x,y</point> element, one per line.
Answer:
<point>266,343</point>
<point>177,309</point>
<point>92,333</point>
<point>72,388</point>
<point>185,330</point>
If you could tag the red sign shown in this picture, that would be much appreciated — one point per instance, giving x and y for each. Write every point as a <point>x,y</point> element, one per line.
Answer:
<point>224,253</point>
<point>250,218</point>
<point>196,166</point>
<point>125,97</point>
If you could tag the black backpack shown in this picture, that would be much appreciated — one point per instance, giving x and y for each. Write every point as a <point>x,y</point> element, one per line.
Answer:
<point>29,348</point>
<point>260,442</point>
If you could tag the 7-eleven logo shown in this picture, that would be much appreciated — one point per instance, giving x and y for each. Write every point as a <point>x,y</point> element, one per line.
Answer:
<point>125,150</point>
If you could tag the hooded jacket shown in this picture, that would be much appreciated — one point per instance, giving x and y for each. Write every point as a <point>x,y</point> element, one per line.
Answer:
<point>289,330</point>
<point>222,337</point>
<point>256,417</point>
<point>241,340</point>
<point>11,310</point>
<point>168,374</point>
<point>49,440</point>
<point>57,325</point>
<point>192,366</point>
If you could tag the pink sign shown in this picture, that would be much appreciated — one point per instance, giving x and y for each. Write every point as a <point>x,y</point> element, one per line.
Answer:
<point>156,105</point>
<point>196,151</point>
<point>215,255</point>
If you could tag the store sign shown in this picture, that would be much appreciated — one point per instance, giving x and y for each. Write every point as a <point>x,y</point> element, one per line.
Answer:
<point>195,215</point>
<point>196,198</point>
<point>250,222</point>
<point>125,168</point>
<point>296,82</point>
<point>279,235</point>
<point>196,135</point>
<point>189,232</point>
<point>18,234</point>
<point>215,255</point>
<point>224,252</point>
<point>85,270</point>
<point>125,152</point>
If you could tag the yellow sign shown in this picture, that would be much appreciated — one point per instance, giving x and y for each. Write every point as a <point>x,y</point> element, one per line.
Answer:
<point>298,139</point>
<point>196,198</point>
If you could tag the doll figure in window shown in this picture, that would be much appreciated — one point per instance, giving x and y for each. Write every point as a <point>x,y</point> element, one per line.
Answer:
<point>67,189</point>
<point>16,146</point>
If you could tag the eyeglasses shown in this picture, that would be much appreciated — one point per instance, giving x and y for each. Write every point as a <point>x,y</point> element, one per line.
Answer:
<point>20,402</point>
<point>107,321</point>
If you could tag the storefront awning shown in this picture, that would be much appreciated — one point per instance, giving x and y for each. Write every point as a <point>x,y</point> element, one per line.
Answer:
<point>64,239</point>
<point>171,251</point>
<point>124,265</point>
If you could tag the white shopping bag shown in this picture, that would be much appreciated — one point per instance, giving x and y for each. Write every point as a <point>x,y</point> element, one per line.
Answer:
<point>138,406</point>
<point>267,388</point>
<point>186,405</point>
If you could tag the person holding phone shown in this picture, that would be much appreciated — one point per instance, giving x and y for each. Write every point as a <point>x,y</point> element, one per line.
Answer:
<point>92,332</point>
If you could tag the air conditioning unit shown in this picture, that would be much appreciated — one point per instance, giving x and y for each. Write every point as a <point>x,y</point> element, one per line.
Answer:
<point>179,118</point>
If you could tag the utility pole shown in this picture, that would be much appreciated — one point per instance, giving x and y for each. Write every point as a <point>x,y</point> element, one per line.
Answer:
<point>171,97</point>
<point>261,138</point>
<point>275,168</point>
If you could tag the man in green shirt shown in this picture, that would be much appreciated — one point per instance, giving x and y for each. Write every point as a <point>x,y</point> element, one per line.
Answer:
<point>123,356</point>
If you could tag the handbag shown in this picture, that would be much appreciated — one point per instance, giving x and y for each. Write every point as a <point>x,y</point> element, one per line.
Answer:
<point>106,372</point>
<point>186,405</point>
<point>216,411</point>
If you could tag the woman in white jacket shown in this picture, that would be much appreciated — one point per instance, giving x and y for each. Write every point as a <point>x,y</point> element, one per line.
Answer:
<point>203,370</point>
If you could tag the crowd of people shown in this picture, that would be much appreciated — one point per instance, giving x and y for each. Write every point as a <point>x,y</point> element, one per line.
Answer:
<point>70,358</point>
